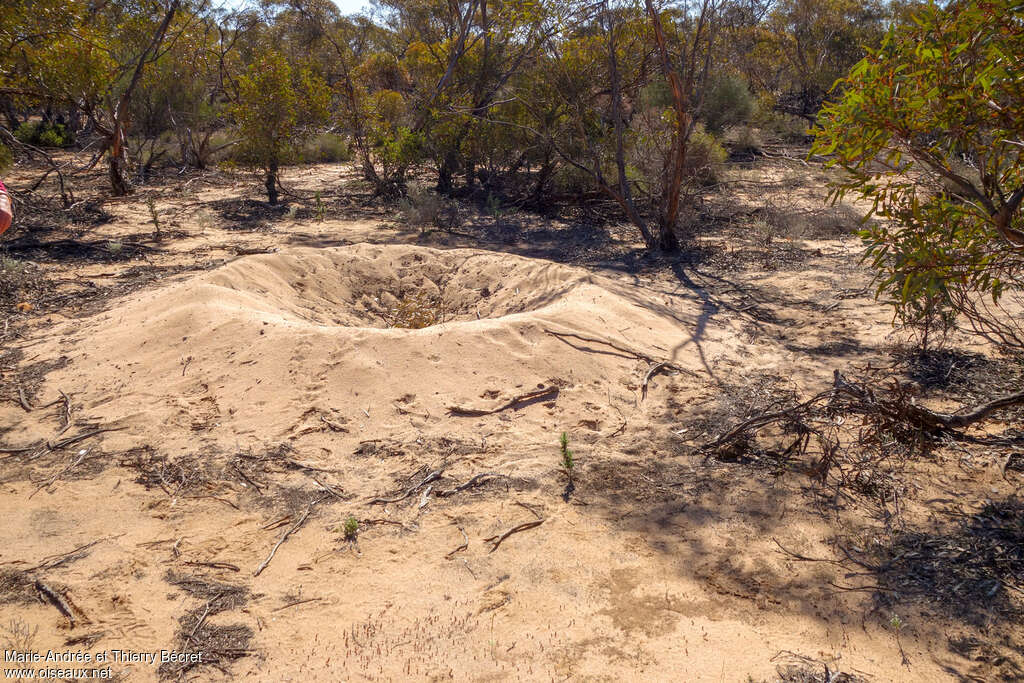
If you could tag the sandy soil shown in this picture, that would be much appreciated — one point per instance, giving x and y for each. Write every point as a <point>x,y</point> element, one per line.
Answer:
<point>249,383</point>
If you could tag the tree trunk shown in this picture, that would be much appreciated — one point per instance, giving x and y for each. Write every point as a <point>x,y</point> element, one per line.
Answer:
<point>271,183</point>
<point>119,183</point>
<point>445,175</point>
<point>668,242</point>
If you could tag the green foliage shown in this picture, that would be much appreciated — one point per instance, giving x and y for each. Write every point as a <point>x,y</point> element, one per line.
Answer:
<point>278,108</point>
<point>568,461</point>
<point>928,130</point>
<point>727,102</point>
<point>6,158</point>
<point>43,134</point>
<point>350,530</point>
<point>154,215</point>
<point>704,156</point>
<point>327,148</point>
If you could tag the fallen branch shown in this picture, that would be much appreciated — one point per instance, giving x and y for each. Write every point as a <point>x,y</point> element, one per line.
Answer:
<point>53,561</point>
<point>976,414</point>
<point>433,476</point>
<point>79,437</point>
<point>335,427</point>
<point>284,537</point>
<point>327,488</point>
<point>215,565</point>
<point>657,364</point>
<point>765,419</point>
<point>57,476</point>
<point>528,397</point>
<point>469,484</point>
<point>465,544</point>
<point>497,540</point>
<point>294,603</point>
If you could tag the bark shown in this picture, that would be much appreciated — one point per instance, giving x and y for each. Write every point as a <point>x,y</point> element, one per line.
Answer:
<point>271,183</point>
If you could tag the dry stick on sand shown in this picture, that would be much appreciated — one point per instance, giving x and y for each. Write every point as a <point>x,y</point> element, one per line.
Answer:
<point>294,603</point>
<point>215,565</point>
<point>496,540</point>
<point>335,427</point>
<point>535,395</point>
<point>52,561</point>
<point>291,530</point>
<point>656,367</point>
<point>475,481</point>
<point>79,437</point>
<point>465,544</point>
<point>866,401</point>
<point>60,474</point>
<point>433,476</point>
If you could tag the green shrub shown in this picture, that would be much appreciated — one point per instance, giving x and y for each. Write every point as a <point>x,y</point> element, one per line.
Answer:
<point>704,155</point>
<point>728,102</point>
<point>421,208</point>
<point>745,141</point>
<point>326,148</point>
<point>6,158</point>
<point>44,134</point>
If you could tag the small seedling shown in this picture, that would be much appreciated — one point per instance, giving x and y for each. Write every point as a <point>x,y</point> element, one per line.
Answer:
<point>567,459</point>
<point>154,215</point>
<point>895,623</point>
<point>351,528</point>
<point>493,206</point>
<point>320,211</point>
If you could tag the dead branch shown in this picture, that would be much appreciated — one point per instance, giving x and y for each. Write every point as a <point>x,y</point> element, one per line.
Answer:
<point>334,426</point>
<point>53,446</point>
<point>294,603</point>
<point>284,537</point>
<point>433,476</point>
<point>497,540</point>
<point>657,364</point>
<point>465,544</point>
<point>595,340</point>
<point>961,419</point>
<point>475,481</point>
<point>327,488</point>
<point>57,476</point>
<point>528,397</point>
<point>765,419</point>
<point>53,561</point>
<point>214,565</point>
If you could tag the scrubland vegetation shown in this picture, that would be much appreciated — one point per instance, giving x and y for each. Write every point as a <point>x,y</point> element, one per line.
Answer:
<point>518,339</point>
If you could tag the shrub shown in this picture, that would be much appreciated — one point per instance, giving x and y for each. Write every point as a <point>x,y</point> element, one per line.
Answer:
<point>325,148</point>
<point>421,208</point>
<point>44,134</point>
<point>727,102</point>
<point>6,158</point>
<point>351,529</point>
<point>704,155</point>
<point>746,141</point>
<point>927,130</point>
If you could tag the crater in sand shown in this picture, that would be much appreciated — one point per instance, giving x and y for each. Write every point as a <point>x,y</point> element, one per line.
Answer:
<point>393,286</point>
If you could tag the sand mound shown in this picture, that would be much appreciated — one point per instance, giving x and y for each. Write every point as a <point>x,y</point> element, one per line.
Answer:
<point>258,349</point>
<point>365,286</point>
